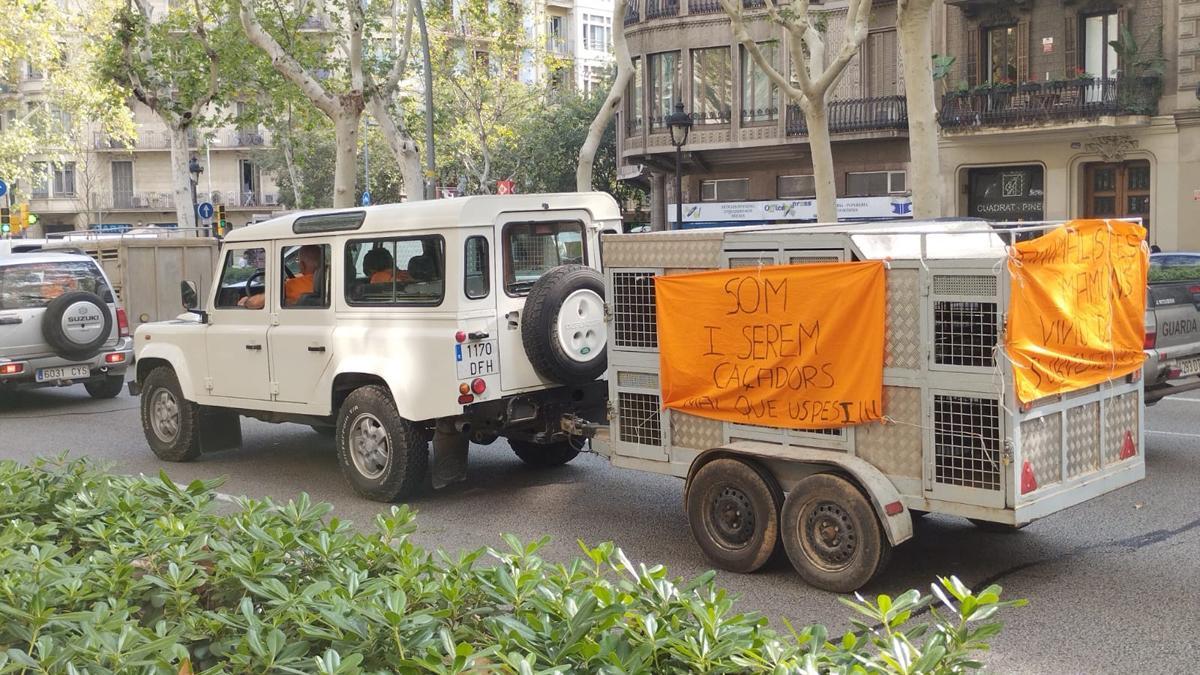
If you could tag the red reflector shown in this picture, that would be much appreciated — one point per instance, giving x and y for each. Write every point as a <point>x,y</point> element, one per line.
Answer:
<point>1128,448</point>
<point>465,398</point>
<point>893,508</point>
<point>115,357</point>
<point>460,336</point>
<point>1173,373</point>
<point>1028,480</point>
<point>1150,340</point>
<point>122,325</point>
<point>478,385</point>
<point>11,368</point>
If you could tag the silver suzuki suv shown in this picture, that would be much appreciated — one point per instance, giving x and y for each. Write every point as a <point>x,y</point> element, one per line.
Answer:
<point>60,325</point>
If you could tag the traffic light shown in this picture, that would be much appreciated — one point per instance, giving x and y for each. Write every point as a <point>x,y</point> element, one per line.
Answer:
<point>5,221</point>
<point>222,226</point>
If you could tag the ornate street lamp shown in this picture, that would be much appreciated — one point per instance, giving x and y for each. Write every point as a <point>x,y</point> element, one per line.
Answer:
<point>680,123</point>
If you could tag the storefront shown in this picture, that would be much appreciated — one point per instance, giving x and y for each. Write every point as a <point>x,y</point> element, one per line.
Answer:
<point>781,211</point>
<point>1009,193</point>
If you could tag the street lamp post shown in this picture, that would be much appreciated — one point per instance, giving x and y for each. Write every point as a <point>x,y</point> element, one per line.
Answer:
<point>680,123</point>
<point>195,169</point>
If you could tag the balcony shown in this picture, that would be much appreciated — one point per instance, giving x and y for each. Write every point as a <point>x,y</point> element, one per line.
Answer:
<point>856,115</point>
<point>1043,103</point>
<point>632,14</point>
<point>704,6</point>
<point>165,201</point>
<point>659,8</point>
<point>146,139</point>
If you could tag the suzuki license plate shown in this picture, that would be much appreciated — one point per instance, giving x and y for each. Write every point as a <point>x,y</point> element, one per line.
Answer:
<point>477,359</point>
<point>1189,366</point>
<point>63,373</point>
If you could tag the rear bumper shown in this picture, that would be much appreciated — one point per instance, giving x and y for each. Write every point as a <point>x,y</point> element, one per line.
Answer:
<point>113,360</point>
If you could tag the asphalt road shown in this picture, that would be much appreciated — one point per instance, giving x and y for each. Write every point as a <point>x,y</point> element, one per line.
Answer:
<point>1112,584</point>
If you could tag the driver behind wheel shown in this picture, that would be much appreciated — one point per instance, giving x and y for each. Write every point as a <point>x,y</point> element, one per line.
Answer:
<point>309,258</point>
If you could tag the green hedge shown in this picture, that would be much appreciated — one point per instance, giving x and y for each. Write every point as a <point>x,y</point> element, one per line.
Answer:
<point>103,573</point>
<point>1160,274</point>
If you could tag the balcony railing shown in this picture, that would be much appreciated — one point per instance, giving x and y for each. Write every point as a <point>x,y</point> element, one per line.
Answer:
<point>556,44</point>
<point>165,201</point>
<point>632,14</point>
<point>1040,102</point>
<point>660,8</point>
<point>145,140</point>
<point>855,114</point>
<point>704,6</point>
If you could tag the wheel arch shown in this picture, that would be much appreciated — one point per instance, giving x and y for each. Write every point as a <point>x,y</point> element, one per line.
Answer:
<point>162,354</point>
<point>347,381</point>
<point>869,480</point>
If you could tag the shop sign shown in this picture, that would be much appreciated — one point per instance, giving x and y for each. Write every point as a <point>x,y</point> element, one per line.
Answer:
<point>848,208</point>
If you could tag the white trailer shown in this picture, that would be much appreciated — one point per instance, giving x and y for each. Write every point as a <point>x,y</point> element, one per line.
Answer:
<point>955,439</point>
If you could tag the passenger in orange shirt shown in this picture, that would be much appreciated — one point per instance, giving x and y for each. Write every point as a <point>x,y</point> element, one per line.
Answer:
<point>380,268</point>
<point>308,258</point>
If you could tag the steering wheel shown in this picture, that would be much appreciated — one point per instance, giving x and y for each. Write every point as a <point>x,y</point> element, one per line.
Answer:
<point>259,274</point>
<point>288,273</point>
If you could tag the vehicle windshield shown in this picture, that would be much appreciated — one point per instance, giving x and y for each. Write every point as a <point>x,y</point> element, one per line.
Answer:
<point>1168,267</point>
<point>532,249</point>
<point>35,285</point>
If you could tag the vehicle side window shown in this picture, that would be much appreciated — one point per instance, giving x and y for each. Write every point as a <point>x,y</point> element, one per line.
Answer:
<point>532,249</point>
<point>477,281</point>
<point>242,276</point>
<point>396,271</point>
<point>305,276</point>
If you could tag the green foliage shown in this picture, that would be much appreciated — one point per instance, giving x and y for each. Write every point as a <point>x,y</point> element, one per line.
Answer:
<point>1164,274</point>
<point>102,573</point>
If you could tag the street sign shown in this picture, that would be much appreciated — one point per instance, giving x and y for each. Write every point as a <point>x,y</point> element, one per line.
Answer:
<point>504,187</point>
<point>3,188</point>
<point>366,199</point>
<point>205,210</point>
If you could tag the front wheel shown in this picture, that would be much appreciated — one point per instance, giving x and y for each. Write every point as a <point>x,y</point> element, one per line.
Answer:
<point>832,535</point>
<point>733,509</point>
<point>544,456</point>
<point>109,387</point>
<point>384,456</point>
<point>170,422</point>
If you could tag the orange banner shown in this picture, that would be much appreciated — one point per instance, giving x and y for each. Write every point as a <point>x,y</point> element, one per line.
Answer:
<point>795,346</point>
<point>1077,309</point>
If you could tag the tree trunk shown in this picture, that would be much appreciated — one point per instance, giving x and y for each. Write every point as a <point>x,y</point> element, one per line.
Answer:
<point>408,157</point>
<point>293,174</point>
<point>924,162</point>
<point>817,117</point>
<point>345,166</point>
<point>587,154</point>
<point>181,180</point>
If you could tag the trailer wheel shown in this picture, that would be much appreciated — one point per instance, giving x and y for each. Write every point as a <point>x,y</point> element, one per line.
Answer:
<point>733,508</point>
<point>832,535</point>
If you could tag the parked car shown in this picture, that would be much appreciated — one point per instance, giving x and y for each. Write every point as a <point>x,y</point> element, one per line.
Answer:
<point>60,325</point>
<point>1172,325</point>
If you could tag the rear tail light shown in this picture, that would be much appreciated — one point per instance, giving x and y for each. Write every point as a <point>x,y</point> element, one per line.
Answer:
<point>115,357</point>
<point>478,385</point>
<point>122,323</point>
<point>1028,480</point>
<point>1150,340</point>
<point>11,368</point>
<point>460,336</point>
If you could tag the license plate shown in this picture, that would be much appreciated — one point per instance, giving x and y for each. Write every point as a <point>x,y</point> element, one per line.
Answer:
<point>477,359</point>
<point>63,373</point>
<point>1189,366</point>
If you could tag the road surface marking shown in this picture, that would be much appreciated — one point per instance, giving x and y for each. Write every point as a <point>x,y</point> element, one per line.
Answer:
<point>1172,433</point>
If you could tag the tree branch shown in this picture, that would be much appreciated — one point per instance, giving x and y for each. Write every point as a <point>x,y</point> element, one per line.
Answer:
<point>285,64</point>
<point>743,36</point>
<point>213,83</point>
<point>857,17</point>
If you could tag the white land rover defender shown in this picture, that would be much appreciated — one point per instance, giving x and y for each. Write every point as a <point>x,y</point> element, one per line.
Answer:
<point>389,327</point>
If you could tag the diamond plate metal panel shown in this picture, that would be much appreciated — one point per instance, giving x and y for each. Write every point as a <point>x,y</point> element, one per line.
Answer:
<point>1083,439</point>
<point>1041,446</point>
<point>689,431</point>
<point>693,251</point>
<point>894,449</point>
<point>1120,416</point>
<point>903,317</point>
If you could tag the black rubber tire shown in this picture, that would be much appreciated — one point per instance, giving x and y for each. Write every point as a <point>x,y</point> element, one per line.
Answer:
<point>544,456</point>
<point>725,484</point>
<point>539,325</point>
<point>185,445</point>
<point>52,330</point>
<point>998,528</point>
<point>406,456</point>
<point>109,387</point>
<point>860,549</point>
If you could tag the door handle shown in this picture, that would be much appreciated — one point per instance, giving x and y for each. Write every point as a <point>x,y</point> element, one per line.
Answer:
<point>10,320</point>
<point>317,349</point>
<point>257,348</point>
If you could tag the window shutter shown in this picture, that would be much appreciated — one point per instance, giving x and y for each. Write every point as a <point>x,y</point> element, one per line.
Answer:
<point>1023,50</point>
<point>972,63</point>
<point>1069,27</point>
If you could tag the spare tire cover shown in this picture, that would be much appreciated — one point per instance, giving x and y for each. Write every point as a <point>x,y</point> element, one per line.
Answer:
<point>563,329</point>
<point>77,324</point>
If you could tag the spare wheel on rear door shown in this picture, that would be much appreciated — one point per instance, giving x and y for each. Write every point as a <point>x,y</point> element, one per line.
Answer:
<point>76,325</point>
<point>563,327</point>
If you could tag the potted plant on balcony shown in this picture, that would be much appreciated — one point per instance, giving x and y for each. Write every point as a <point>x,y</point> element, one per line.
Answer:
<point>1140,75</point>
<point>1029,87</point>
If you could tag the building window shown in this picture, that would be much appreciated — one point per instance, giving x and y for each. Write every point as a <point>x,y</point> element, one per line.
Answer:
<point>41,180</point>
<point>1099,57</point>
<point>249,176</point>
<point>122,184</point>
<point>795,187</point>
<point>597,32</point>
<point>760,96</point>
<point>881,61</point>
<point>1117,190</point>
<point>556,34</point>
<point>725,190</point>
<point>664,86</point>
<point>1000,49</point>
<point>64,180</point>
<point>712,88</point>
<point>633,98</point>
<point>874,183</point>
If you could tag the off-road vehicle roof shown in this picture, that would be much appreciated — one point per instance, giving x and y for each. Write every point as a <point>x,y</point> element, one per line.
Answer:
<point>475,211</point>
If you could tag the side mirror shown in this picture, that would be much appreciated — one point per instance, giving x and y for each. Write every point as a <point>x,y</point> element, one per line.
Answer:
<point>191,299</point>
